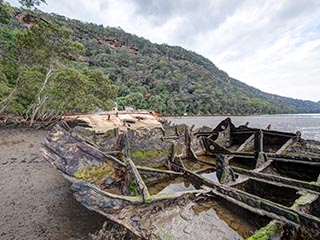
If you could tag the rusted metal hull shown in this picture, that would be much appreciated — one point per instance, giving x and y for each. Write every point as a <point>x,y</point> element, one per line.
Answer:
<point>274,176</point>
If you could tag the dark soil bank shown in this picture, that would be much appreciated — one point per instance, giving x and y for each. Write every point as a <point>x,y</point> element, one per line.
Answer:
<point>35,200</point>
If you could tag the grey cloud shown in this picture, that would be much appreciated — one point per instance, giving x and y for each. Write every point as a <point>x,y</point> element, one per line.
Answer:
<point>252,37</point>
<point>293,9</point>
<point>157,10</point>
<point>199,15</point>
<point>104,5</point>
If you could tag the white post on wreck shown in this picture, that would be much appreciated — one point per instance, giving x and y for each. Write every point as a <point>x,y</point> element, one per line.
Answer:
<point>116,107</point>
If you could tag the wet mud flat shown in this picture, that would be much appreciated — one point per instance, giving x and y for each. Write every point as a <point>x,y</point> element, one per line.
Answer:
<point>36,201</point>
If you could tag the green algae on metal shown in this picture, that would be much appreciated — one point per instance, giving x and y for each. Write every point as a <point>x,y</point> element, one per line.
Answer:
<point>133,188</point>
<point>148,153</point>
<point>94,174</point>
<point>306,198</point>
<point>269,232</point>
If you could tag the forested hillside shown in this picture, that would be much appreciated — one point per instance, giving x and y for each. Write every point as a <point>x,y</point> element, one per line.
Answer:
<point>54,64</point>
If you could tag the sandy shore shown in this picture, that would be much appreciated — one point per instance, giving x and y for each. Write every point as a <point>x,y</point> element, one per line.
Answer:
<point>36,201</point>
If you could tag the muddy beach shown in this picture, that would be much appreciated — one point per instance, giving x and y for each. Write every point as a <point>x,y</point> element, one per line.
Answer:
<point>36,201</point>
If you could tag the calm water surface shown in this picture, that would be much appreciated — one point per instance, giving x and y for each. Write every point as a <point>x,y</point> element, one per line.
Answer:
<point>308,124</point>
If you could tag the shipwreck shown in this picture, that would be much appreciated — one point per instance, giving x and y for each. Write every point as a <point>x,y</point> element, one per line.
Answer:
<point>162,181</point>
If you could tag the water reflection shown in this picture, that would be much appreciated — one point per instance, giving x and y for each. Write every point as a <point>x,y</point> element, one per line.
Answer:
<point>240,220</point>
<point>178,184</point>
<point>178,187</point>
<point>212,176</point>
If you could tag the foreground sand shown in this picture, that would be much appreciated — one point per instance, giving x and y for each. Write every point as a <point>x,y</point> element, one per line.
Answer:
<point>35,200</point>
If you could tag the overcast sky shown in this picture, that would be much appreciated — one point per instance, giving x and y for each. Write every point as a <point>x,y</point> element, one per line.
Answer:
<point>272,45</point>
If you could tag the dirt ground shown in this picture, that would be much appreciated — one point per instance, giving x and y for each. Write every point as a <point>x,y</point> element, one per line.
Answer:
<point>35,200</point>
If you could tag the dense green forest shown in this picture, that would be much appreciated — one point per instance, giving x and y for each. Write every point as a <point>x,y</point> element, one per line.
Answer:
<point>50,64</point>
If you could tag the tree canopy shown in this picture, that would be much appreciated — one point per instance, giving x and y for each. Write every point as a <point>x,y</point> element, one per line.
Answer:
<point>31,3</point>
<point>39,77</point>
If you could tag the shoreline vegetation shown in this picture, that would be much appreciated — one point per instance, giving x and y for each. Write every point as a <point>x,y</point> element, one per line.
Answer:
<point>10,120</point>
<point>50,65</point>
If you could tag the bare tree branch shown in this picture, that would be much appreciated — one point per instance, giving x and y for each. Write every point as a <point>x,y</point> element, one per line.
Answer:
<point>40,100</point>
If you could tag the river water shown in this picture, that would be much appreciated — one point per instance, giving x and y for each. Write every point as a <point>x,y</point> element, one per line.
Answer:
<point>308,124</point>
